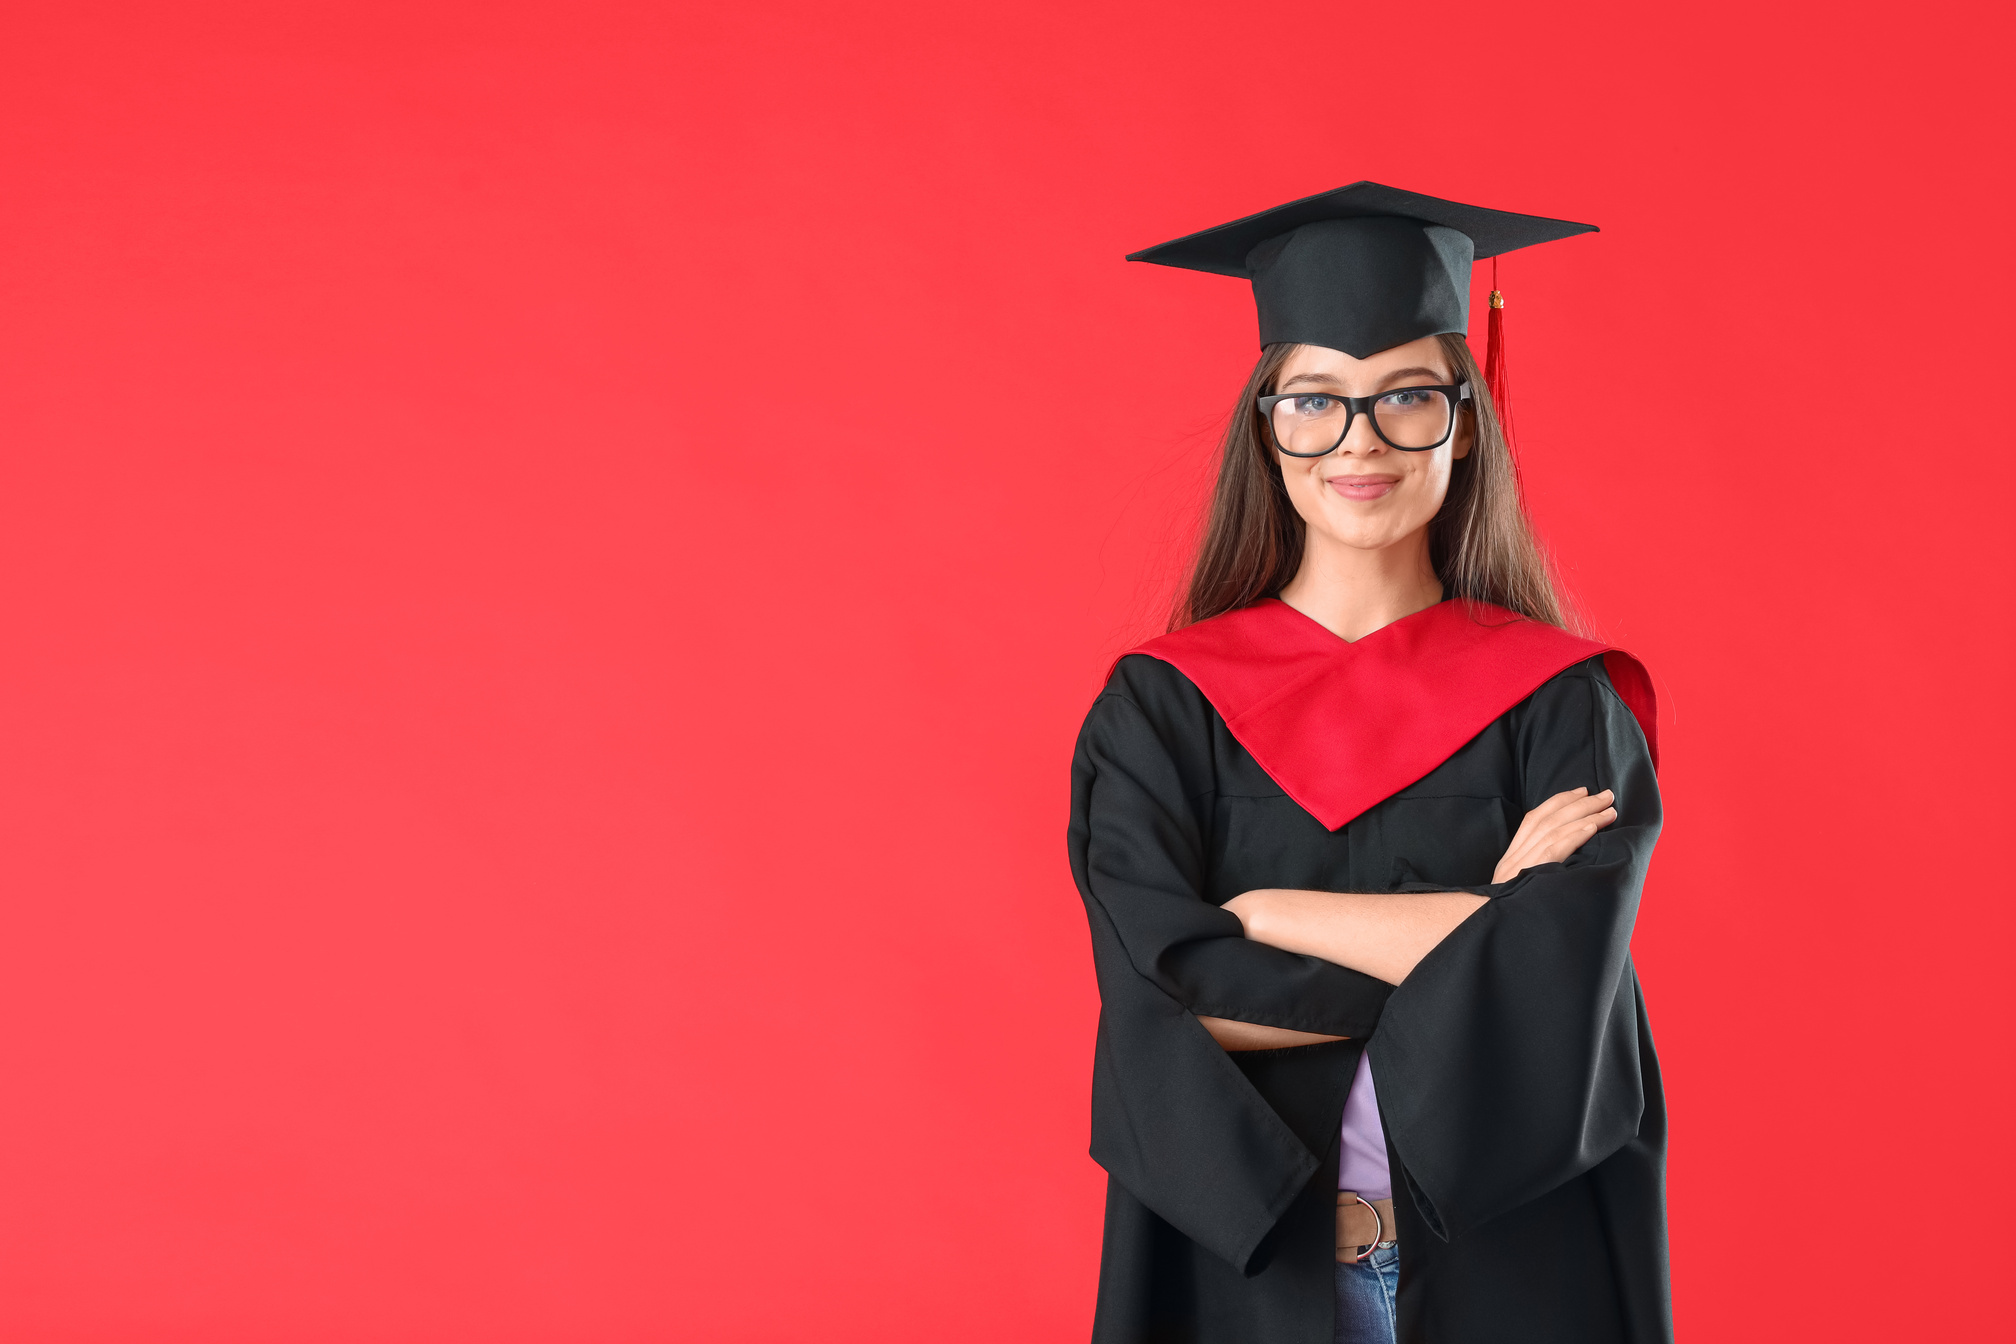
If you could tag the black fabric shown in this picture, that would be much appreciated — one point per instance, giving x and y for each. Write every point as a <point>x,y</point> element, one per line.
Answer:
<point>1516,1073</point>
<point>1363,285</point>
<point>1360,269</point>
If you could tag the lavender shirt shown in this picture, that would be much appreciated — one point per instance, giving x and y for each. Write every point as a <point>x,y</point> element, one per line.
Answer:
<point>1362,1164</point>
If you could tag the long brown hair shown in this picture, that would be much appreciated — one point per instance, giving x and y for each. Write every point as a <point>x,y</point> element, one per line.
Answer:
<point>1480,542</point>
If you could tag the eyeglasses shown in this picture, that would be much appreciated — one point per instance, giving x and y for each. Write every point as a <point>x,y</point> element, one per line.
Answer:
<point>1412,419</point>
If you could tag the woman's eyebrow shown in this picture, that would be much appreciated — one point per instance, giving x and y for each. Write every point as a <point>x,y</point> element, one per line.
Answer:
<point>1411,373</point>
<point>1384,381</point>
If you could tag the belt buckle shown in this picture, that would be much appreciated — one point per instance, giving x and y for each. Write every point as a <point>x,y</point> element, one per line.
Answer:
<point>1378,1229</point>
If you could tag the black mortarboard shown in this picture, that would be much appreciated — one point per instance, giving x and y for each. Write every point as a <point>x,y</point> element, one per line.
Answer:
<point>1360,269</point>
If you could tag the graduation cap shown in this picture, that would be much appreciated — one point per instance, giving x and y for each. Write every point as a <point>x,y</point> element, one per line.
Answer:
<point>1363,268</point>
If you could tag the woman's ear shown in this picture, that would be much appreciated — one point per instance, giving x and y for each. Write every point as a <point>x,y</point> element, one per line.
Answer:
<point>1466,432</point>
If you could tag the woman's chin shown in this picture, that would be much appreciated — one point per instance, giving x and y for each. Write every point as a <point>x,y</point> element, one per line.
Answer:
<point>1362,534</point>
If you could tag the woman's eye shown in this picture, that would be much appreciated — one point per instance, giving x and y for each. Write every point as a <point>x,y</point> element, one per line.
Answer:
<point>1405,401</point>
<point>1314,405</point>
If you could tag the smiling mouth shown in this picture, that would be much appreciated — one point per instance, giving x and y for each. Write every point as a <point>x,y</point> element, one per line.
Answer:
<point>1362,487</point>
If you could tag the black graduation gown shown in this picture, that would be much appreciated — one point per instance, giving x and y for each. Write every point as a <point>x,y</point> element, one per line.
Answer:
<point>1517,1080</point>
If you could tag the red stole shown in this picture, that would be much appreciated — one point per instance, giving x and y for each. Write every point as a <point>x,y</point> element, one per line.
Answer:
<point>1341,726</point>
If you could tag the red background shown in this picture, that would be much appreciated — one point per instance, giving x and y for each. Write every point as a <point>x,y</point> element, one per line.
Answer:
<point>551,557</point>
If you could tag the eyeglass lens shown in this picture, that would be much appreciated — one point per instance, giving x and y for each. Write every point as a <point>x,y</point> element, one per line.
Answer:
<point>1408,417</point>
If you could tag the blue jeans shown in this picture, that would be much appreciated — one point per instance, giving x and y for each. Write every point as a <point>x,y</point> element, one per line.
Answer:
<point>1366,1294</point>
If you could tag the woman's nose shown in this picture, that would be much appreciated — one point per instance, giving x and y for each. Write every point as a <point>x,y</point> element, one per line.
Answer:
<point>1361,440</point>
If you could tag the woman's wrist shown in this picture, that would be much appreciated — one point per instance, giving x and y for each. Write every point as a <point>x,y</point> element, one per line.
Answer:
<point>1249,908</point>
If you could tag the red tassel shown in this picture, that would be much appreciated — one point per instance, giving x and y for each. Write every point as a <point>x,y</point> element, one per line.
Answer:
<point>1497,375</point>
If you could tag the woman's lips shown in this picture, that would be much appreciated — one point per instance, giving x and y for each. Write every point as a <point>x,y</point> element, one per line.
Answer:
<point>1363,487</point>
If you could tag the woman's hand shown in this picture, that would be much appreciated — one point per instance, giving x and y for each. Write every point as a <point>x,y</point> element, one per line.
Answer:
<point>1556,829</point>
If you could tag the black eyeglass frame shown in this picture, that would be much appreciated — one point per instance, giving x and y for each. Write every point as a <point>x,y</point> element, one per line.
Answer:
<point>1458,393</point>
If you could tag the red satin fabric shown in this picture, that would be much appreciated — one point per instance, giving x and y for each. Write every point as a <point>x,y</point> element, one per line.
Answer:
<point>1342,725</point>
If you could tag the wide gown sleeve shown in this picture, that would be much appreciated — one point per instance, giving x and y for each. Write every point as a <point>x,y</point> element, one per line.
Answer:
<point>1509,1061</point>
<point>1174,1120</point>
<point>1142,776</point>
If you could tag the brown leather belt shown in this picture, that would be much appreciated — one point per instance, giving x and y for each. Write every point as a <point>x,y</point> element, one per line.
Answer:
<point>1363,1225</point>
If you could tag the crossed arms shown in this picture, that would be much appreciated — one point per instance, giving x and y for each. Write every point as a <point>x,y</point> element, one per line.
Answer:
<point>1386,935</point>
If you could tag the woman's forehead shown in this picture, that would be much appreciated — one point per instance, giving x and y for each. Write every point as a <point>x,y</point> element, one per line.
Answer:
<point>1426,353</point>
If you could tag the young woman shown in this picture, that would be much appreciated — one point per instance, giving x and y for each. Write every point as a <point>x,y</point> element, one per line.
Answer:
<point>1361,842</point>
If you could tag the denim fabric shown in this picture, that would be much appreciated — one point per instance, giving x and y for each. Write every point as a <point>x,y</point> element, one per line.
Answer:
<point>1366,1294</point>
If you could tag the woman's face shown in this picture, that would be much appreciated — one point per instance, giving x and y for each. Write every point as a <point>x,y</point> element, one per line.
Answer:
<point>1368,495</point>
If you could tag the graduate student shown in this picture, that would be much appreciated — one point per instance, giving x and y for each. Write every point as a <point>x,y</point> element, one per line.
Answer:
<point>1361,843</point>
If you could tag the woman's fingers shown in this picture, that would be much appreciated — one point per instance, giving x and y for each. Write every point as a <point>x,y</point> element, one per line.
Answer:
<point>1540,816</point>
<point>1585,804</point>
<point>1557,802</point>
<point>1575,810</point>
<point>1569,834</point>
<point>1573,803</point>
<point>1570,806</point>
<point>1565,832</point>
<point>1555,829</point>
<point>1576,828</point>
